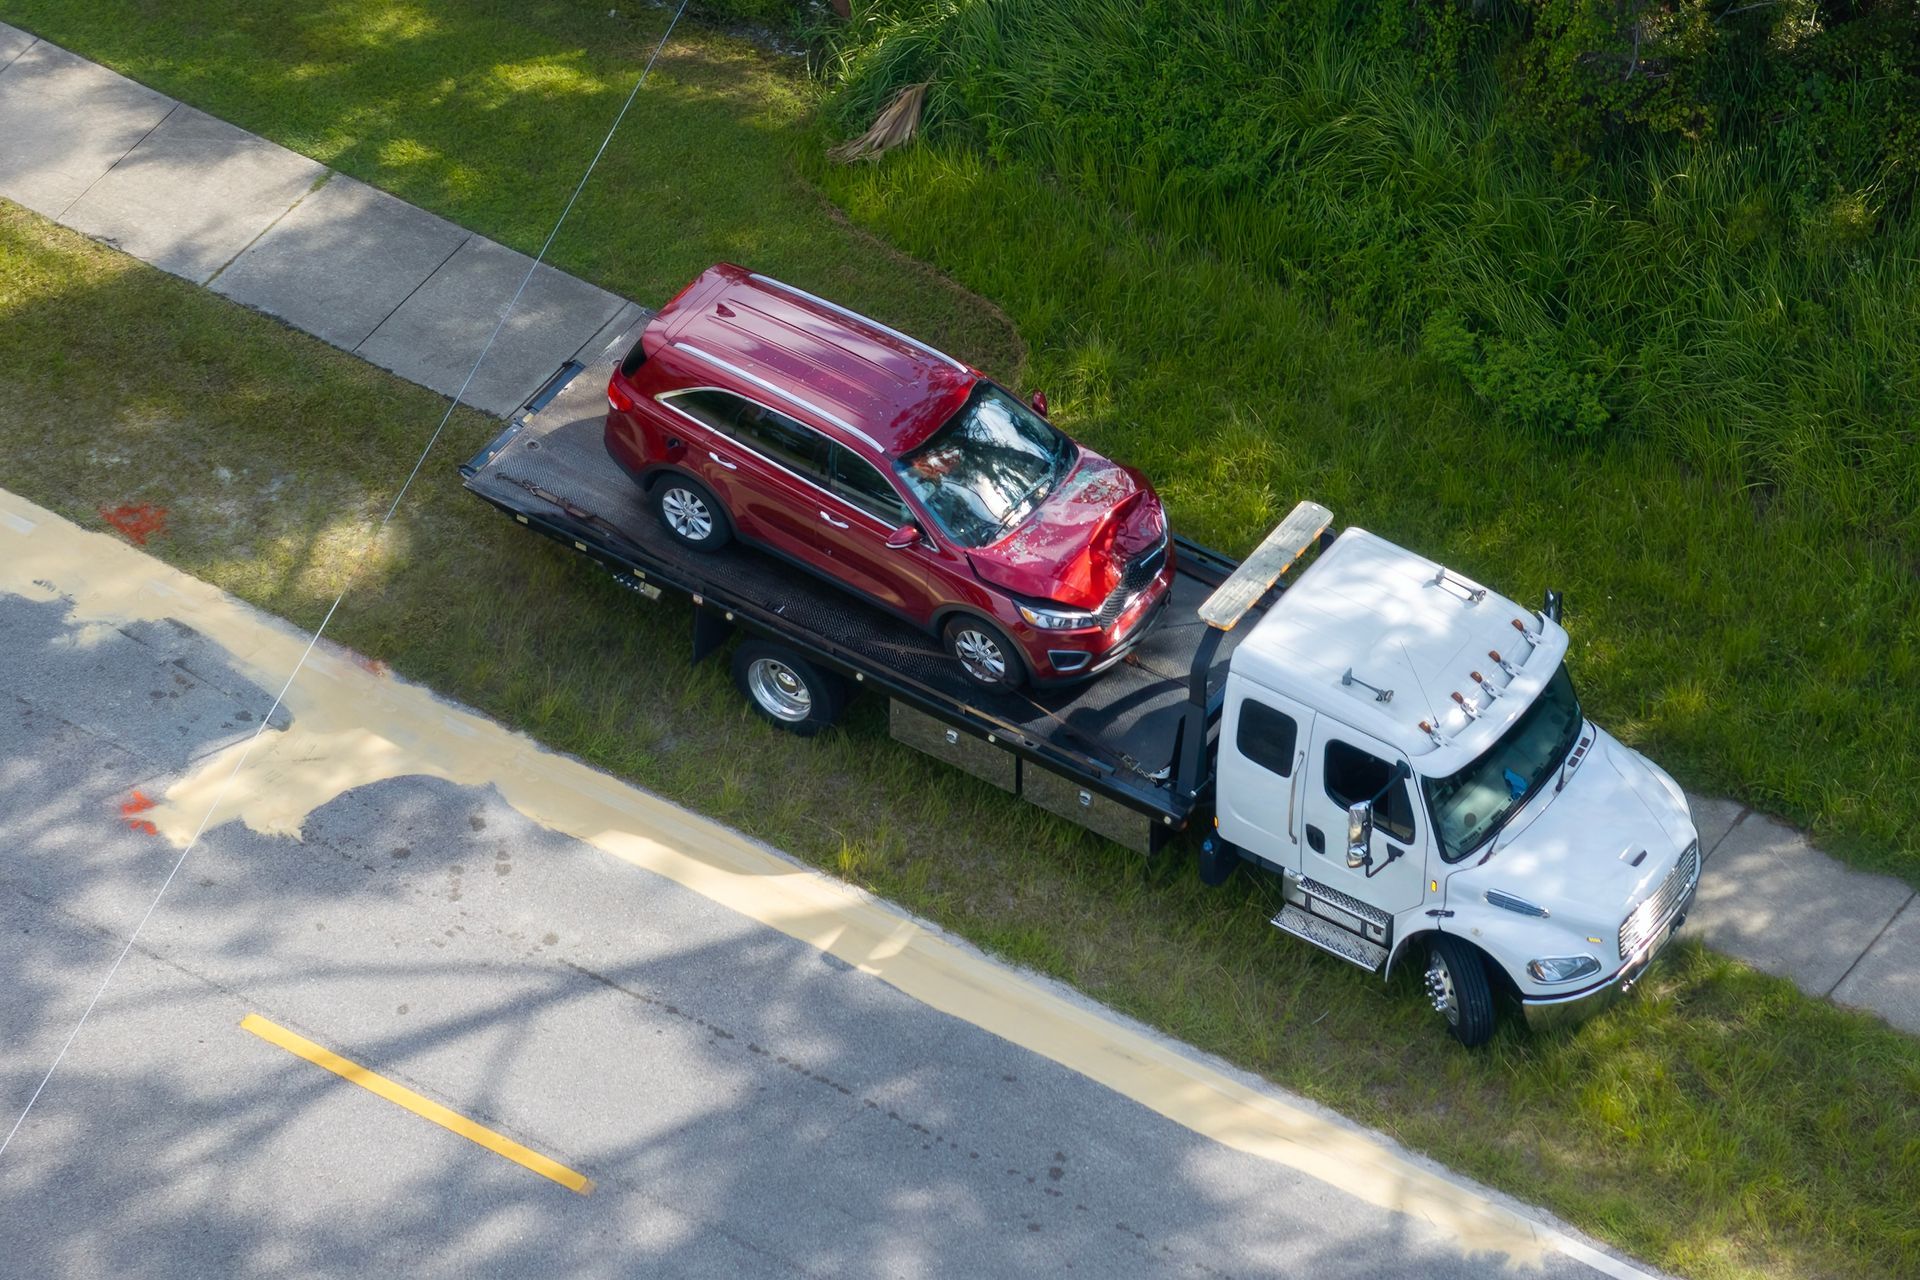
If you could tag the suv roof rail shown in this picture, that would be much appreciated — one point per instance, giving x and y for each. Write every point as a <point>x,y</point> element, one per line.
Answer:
<point>1258,572</point>
<point>837,309</point>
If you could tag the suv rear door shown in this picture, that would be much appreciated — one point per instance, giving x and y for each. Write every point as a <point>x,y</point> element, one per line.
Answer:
<point>767,469</point>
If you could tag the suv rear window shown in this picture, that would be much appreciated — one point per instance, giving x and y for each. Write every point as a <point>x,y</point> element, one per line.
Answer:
<point>770,434</point>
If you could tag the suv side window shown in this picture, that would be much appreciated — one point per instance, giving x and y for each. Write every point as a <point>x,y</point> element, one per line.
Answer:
<point>1354,775</point>
<point>1267,737</point>
<point>772,435</point>
<point>856,480</point>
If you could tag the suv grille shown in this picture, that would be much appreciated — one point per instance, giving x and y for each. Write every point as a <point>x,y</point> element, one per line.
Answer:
<point>1135,578</point>
<point>1650,917</point>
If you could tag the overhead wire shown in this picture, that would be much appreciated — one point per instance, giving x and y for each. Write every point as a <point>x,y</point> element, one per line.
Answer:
<point>352,575</point>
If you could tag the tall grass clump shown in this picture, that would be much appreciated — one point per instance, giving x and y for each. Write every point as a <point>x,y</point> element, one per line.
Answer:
<point>1747,295</point>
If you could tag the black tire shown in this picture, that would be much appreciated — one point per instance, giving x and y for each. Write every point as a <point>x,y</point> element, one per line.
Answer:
<point>985,656</point>
<point>1218,860</point>
<point>1456,983</point>
<point>789,691</point>
<point>687,507</point>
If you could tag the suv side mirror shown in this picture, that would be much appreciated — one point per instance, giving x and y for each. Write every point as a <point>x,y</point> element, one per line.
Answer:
<point>1038,403</point>
<point>1359,834</point>
<point>903,537</point>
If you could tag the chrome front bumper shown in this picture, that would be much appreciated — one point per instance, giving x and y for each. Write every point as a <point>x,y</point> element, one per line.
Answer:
<point>1544,1013</point>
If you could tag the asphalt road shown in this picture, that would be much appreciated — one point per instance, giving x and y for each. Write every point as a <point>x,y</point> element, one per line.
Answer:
<point>744,1103</point>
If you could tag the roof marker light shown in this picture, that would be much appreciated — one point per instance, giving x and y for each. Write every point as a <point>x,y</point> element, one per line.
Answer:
<point>1502,663</point>
<point>1490,691</point>
<point>1533,641</point>
<point>1473,712</point>
<point>1426,727</point>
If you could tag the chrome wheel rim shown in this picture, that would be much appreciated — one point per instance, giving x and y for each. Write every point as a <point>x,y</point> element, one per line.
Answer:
<point>1440,990</point>
<point>686,514</point>
<point>779,690</point>
<point>980,654</point>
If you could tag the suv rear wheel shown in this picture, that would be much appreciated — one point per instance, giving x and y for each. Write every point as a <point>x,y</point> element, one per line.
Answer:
<point>691,513</point>
<point>984,653</point>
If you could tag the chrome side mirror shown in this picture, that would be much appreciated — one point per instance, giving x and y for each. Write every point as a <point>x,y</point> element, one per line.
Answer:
<point>903,537</point>
<point>1359,834</point>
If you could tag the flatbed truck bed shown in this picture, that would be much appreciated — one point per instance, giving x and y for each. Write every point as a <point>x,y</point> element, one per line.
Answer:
<point>1123,754</point>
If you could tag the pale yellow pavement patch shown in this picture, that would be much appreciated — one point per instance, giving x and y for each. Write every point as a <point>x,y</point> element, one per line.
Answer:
<point>352,727</point>
<point>426,1108</point>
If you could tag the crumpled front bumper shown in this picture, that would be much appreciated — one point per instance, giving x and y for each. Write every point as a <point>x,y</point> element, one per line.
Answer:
<point>1544,1013</point>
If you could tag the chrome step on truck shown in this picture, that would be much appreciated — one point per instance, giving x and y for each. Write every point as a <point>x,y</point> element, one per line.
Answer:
<point>1335,922</point>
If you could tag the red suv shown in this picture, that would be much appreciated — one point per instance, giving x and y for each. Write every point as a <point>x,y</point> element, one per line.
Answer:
<point>753,409</point>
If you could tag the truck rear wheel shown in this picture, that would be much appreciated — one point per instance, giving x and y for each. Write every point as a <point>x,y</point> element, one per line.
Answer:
<point>1457,985</point>
<point>787,689</point>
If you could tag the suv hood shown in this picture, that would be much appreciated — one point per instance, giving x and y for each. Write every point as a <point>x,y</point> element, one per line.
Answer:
<point>1575,852</point>
<point>1074,545</point>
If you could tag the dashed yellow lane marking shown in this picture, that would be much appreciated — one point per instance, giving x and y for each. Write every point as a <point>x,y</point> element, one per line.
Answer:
<point>426,1108</point>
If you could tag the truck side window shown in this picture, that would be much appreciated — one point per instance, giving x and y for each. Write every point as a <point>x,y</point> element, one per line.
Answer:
<point>1267,737</point>
<point>855,479</point>
<point>1354,775</point>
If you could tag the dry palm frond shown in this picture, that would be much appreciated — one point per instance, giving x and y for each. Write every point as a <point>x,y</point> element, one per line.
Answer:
<point>897,124</point>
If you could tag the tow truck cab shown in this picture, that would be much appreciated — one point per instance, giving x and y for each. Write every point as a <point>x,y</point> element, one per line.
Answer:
<point>1405,747</point>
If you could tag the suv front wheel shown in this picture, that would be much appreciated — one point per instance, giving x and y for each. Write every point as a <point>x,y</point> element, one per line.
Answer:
<point>984,653</point>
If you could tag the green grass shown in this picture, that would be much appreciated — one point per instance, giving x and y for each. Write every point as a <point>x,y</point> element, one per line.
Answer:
<point>1722,1124</point>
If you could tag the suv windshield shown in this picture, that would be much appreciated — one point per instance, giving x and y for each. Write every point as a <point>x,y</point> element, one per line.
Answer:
<point>1473,804</point>
<point>992,463</point>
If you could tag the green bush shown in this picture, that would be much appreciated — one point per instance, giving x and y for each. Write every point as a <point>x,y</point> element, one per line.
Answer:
<point>1718,257</point>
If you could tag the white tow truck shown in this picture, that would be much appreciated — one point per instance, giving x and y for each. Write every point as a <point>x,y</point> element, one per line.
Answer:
<point>1405,748</point>
<point>1399,744</point>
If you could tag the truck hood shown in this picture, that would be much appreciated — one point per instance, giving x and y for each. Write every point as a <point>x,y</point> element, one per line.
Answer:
<point>1073,547</point>
<point>1575,852</point>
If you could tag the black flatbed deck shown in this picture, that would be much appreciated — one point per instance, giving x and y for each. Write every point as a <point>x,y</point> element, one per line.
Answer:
<point>1115,734</point>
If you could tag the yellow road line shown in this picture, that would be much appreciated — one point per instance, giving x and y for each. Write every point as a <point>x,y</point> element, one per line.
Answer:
<point>426,1108</point>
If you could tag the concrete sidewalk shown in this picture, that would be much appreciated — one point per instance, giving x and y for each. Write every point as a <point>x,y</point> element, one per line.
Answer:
<point>216,205</point>
<point>417,295</point>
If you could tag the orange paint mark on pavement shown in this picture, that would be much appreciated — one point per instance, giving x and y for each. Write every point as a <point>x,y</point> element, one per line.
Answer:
<point>139,804</point>
<point>139,522</point>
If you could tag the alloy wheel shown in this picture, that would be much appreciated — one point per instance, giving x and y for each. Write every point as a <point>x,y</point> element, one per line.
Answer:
<point>686,514</point>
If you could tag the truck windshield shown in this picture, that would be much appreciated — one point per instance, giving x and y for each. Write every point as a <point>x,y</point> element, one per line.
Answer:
<point>1472,805</point>
<point>987,467</point>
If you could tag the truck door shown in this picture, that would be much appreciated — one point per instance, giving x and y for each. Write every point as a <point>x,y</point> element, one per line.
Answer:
<point>1344,767</point>
<point>1263,751</point>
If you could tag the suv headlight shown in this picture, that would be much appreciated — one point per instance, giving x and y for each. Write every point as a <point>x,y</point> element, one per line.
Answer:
<point>1562,968</point>
<point>1058,619</point>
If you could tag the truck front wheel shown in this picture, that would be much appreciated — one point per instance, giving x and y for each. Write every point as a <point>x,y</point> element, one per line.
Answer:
<point>786,688</point>
<point>1457,985</point>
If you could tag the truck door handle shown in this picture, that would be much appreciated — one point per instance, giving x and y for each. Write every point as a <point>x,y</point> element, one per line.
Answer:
<point>838,524</point>
<point>731,466</point>
<point>1316,838</point>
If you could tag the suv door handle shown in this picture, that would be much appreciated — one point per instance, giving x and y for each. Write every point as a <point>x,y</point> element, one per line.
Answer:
<point>731,466</point>
<point>838,524</point>
<point>1316,838</point>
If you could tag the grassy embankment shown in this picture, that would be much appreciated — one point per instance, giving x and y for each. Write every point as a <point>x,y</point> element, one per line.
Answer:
<point>1724,1125</point>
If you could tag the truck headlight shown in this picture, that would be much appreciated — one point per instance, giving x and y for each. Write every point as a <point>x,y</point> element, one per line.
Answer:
<point>1057,619</point>
<point>1562,968</point>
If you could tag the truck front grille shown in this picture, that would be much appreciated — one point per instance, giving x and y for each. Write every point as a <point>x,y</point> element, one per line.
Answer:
<point>1646,921</point>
